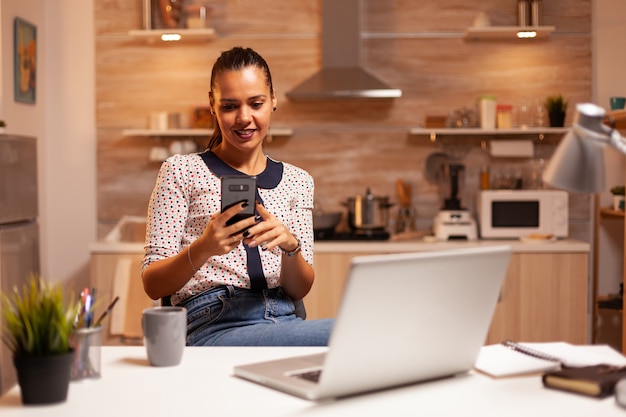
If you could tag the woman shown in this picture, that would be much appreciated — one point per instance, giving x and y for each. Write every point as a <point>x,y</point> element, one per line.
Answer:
<point>238,282</point>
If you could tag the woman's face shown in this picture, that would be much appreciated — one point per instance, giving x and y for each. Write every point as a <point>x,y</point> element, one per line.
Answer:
<point>242,104</point>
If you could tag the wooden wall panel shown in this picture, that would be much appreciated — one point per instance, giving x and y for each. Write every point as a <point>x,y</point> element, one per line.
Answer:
<point>346,144</point>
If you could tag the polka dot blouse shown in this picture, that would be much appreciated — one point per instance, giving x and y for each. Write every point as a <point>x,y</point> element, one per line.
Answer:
<point>187,193</point>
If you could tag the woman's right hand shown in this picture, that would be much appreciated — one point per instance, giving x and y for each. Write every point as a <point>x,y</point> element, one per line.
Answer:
<point>166,276</point>
<point>219,238</point>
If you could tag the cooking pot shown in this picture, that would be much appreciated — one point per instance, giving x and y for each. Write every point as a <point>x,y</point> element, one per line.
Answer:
<point>368,211</point>
<point>325,221</point>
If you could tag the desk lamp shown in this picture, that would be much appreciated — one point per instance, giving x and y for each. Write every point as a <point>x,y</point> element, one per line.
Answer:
<point>578,162</point>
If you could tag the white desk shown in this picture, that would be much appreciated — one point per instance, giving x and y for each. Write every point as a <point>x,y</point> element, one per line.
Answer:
<point>203,385</point>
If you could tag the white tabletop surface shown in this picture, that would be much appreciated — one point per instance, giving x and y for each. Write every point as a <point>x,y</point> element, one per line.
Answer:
<point>203,385</point>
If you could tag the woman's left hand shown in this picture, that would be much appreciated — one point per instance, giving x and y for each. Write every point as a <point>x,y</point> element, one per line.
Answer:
<point>269,233</point>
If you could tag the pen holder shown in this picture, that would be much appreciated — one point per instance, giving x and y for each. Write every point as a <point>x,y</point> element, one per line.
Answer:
<point>87,344</point>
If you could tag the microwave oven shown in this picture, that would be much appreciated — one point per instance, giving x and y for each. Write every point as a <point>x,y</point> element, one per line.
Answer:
<point>512,214</point>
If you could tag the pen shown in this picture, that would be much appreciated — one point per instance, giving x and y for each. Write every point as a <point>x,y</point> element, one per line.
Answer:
<point>107,311</point>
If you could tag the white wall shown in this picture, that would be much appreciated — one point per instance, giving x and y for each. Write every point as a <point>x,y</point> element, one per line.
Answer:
<point>63,120</point>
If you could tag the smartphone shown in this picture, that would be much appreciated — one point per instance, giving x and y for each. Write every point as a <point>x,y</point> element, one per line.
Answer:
<point>235,189</point>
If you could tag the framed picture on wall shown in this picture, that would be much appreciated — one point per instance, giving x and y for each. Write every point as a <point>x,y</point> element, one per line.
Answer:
<point>25,61</point>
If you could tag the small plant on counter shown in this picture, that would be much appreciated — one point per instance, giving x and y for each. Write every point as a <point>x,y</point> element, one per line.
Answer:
<point>2,123</point>
<point>36,327</point>
<point>618,190</point>
<point>37,321</point>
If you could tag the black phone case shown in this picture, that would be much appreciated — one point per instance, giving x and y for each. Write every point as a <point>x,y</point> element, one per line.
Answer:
<point>235,189</point>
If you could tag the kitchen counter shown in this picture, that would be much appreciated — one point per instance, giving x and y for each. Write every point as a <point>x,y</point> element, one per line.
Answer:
<point>517,246</point>
<point>547,283</point>
<point>545,295</point>
<point>565,245</point>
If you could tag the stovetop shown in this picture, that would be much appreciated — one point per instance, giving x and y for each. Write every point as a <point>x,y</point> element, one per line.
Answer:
<point>365,235</point>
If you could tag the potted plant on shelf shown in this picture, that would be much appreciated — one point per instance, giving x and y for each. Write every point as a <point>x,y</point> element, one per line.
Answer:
<point>3,126</point>
<point>618,197</point>
<point>556,106</point>
<point>36,328</point>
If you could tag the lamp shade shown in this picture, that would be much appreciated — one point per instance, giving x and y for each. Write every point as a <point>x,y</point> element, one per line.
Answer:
<point>577,165</point>
<point>578,162</point>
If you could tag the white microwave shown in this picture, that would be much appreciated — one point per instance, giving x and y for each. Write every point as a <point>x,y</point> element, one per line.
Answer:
<point>511,214</point>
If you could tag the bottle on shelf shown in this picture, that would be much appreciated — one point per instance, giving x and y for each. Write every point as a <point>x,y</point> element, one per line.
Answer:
<point>485,178</point>
<point>536,9</point>
<point>523,13</point>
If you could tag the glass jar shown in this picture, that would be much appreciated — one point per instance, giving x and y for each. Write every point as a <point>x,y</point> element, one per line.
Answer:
<point>196,16</point>
<point>504,114</point>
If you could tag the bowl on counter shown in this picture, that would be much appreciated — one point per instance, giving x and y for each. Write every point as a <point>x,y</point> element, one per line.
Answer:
<point>326,221</point>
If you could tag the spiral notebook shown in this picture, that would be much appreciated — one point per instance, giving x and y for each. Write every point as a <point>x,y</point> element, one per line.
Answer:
<point>509,359</point>
<point>404,318</point>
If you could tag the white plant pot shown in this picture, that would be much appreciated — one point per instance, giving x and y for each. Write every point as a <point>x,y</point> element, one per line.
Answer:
<point>618,202</point>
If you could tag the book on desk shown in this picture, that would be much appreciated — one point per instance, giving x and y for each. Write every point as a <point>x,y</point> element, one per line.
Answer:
<point>591,370</point>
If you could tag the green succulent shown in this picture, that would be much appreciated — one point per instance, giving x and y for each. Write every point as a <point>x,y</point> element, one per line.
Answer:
<point>37,320</point>
<point>618,190</point>
<point>556,103</point>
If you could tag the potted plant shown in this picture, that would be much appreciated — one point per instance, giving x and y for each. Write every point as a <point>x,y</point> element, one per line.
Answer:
<point>36,328</point>
<point>618,197</point>
<point>3,126</point>
<point>556,106</point>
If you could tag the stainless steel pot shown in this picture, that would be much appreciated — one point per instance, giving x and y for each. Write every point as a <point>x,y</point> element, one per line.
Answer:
<point>368,211</point>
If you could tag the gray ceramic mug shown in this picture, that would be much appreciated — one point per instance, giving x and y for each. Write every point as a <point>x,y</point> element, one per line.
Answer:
<point>164,331</point>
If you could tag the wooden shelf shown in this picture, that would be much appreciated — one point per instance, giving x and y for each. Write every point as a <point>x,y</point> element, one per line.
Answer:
<point>609,213</point>
<point>507,32</point>
<point>498,134</point>
<point>186,35</point>
<point>279,131</point>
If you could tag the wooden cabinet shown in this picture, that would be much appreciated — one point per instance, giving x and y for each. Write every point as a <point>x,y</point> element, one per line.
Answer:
<point>544,296</point>
<point>119,274</point>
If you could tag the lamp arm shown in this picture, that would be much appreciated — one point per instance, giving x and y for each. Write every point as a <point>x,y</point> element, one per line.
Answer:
<point>607,136</point>
<point>617,141</point>
<point>589,125</point>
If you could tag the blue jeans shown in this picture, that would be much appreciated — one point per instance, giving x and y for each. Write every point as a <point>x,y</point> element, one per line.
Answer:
<point>229,316</point>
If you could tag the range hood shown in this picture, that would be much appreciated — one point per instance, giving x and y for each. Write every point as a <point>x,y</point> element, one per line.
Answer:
<point>341,75</point>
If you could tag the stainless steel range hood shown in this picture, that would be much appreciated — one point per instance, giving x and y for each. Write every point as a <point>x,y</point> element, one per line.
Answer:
<point>341,75</point>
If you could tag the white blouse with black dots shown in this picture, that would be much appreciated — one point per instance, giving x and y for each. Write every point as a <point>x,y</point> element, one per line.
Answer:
<point>185,197</point>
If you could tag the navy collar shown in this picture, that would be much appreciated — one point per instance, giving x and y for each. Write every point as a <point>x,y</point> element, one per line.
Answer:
<point>269,178</point>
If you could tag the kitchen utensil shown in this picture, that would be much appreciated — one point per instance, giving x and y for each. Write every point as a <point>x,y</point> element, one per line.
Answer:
<point>433,167</point>
<point>325,221</point>
<point>405,217</point>
<point>367,211</point>
<point>404,193</point>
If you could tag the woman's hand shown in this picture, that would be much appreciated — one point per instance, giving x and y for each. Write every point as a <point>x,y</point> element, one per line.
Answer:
<point>269,233</point>
<point>219,238</point>
<point>166,276</point>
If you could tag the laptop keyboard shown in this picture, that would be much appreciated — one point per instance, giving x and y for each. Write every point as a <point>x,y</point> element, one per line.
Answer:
<point>313,376</point>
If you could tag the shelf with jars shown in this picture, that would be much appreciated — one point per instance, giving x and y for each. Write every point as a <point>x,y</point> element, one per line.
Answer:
<point>539,134</point>
<point>508,32</point>
<point>173,21</point>
<point>173,35</point>
<point>193,132</point>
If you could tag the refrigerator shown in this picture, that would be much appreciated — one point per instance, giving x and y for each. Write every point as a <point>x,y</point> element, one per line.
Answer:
<point>19,229</point>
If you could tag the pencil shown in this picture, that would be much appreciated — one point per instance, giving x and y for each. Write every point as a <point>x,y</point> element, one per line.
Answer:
<point>107,311</point>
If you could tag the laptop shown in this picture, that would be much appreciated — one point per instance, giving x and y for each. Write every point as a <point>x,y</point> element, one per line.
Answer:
<point>404,318</point>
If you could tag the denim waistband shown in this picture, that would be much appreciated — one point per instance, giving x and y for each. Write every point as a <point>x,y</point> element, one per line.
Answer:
<point>230,290</point>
